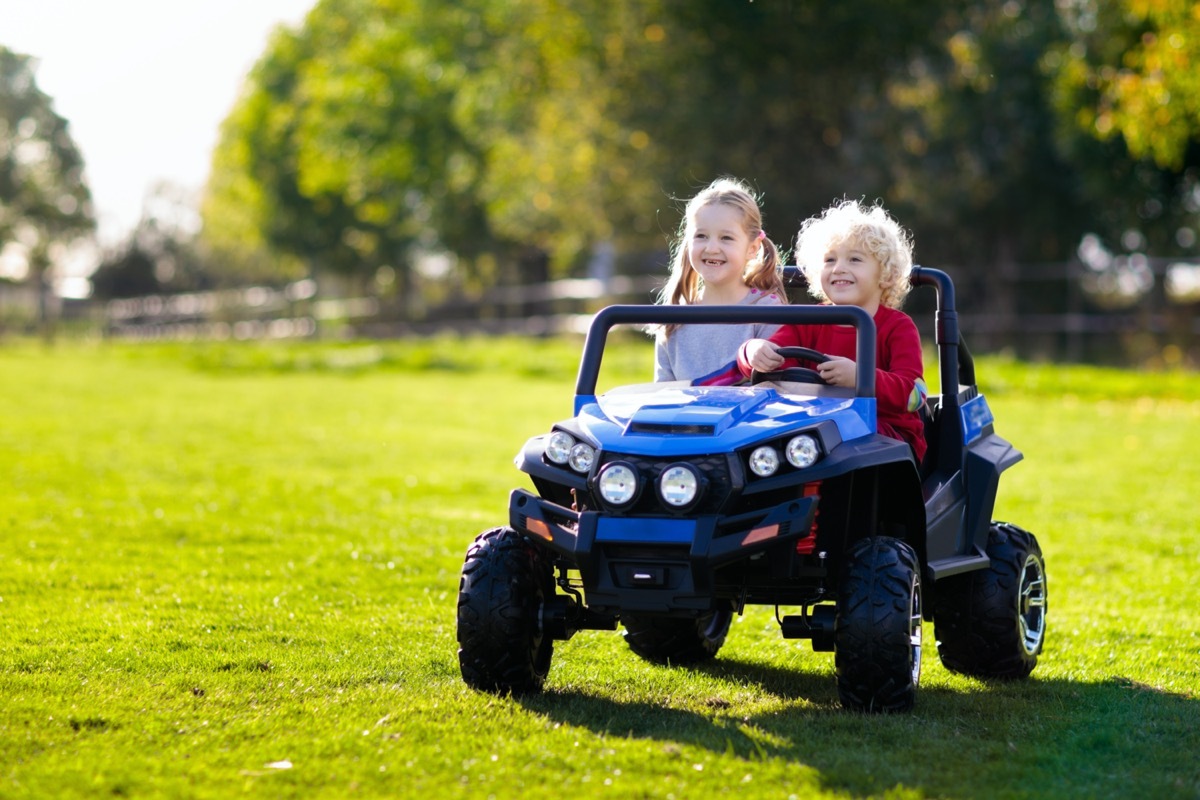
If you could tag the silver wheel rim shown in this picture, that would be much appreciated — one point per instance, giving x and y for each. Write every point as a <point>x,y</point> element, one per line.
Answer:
<point>1031,604</point>
<point>915,633</point>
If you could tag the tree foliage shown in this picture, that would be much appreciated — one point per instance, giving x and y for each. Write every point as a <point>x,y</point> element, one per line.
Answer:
<point>45,203</point>
<point>490,129</point>
<point>1134,62</point>
<point>1127,98</point>
<point>343,151</point>
<point>966,140</point>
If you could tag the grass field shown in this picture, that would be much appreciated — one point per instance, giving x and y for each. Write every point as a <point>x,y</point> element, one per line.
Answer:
<point>231,570</point>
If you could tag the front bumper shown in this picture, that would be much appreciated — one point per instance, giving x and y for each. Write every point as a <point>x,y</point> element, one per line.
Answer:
<point>657,564</point>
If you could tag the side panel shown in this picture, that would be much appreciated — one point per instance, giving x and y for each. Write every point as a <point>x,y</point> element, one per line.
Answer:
<point>986,458</point>
<point>945,512</point>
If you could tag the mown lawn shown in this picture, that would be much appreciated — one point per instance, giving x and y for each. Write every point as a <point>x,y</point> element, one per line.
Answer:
<point>232,569</point>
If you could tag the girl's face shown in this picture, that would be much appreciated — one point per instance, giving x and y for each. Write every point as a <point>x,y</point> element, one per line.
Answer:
<point>720,247</point>
<point>851,276</point>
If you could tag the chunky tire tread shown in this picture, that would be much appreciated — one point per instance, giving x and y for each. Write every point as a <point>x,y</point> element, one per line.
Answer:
<point>977,615</point>
<point>667,640</point>
<point>873,649</point>
<point>502,647</point>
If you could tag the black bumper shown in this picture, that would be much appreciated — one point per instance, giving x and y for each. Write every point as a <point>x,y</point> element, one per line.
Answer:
<point>656,564</point>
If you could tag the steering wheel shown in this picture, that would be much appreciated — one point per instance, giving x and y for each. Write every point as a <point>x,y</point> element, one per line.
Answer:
<point>794,374</point>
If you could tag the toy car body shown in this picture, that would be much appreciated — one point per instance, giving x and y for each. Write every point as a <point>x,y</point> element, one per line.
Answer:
<point>667,508</point>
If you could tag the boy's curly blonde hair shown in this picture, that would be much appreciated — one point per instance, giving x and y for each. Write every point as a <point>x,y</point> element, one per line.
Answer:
<point>872,229</point>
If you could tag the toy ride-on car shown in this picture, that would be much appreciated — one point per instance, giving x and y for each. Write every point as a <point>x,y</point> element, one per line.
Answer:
<point>667,508</point>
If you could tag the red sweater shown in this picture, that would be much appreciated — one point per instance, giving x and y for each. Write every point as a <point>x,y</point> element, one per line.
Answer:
<point>899,386</point>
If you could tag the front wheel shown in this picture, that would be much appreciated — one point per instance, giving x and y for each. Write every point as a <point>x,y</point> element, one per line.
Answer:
<point>667,640</point>
<point>992,623</point>
<point>877,634</point>
<point>502,643</point>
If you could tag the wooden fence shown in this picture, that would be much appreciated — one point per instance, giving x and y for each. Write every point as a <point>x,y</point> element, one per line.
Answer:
<point>1054,312</point>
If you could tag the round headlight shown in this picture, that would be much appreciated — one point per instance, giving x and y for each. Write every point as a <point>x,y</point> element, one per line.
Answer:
<point>802,451</point>
<point>581,458</point>
<point>678,485</point>
<point>764,461</point>
<point>558,447</point>
<point>617,483</point>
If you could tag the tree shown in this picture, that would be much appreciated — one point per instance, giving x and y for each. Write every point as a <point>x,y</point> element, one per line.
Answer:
<point>384,127</point>
<point>773,92</point>
<point>487,128</point>
<point>45,204</point>
<point>1128,100</point>
<point>966,150</point>
<point>1135,61</point>
<point>342,152</point>
<point>160,254</point>
<point>490,129</point>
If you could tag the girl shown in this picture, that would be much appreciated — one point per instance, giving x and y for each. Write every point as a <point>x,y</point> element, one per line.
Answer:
<point>722,257</point>
<point>853,255</point>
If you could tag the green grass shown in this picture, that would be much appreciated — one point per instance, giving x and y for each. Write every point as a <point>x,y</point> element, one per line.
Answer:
<point>216,559</point>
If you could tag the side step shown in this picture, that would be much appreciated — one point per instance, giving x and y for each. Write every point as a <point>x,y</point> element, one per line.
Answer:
<point>944,568</point>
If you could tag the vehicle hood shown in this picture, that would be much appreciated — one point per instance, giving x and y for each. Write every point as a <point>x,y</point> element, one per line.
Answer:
<point>666,420</point>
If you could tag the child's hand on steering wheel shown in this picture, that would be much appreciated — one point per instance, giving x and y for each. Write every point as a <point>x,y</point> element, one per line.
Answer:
<point>837,371</point>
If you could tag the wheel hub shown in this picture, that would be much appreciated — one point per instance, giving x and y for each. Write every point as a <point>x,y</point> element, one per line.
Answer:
<point>1031,603</point>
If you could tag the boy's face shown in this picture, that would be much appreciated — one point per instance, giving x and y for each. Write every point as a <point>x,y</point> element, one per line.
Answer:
<point>850,275</point>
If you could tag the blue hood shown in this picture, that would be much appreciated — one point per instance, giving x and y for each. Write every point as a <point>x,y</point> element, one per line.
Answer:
<point>670,420</point>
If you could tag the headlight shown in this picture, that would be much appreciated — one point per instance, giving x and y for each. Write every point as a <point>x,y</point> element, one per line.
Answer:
<point>802,451</point>
<point>558,447</point>
<point>678,485</point>
<point>617,483</point>
<point>764,461</point>
<point>581,458</point>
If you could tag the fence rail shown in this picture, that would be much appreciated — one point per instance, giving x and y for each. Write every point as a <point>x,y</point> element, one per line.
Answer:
<point>1055,312</point>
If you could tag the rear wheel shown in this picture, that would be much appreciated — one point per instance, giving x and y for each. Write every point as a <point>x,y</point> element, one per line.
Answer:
<point>668,640</point>
<point>992,623</point>
<point>877,634</point>
<point>502,644</point>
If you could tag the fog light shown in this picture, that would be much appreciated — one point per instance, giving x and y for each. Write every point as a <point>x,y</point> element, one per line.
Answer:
<point>558,447</point>
<point>802,451</point>
<point>678,485</point>
<point>617,483</point>
<point>764,461</point>
<point>582,457</point>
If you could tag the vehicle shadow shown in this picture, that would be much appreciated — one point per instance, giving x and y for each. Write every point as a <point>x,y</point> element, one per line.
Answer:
<point>1035,738</point>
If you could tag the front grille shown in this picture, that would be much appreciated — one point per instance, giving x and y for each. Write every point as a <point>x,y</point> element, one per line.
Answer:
<point>714,468</point>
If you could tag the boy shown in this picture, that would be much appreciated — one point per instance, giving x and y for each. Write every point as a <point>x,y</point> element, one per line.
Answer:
<point>852,255</point>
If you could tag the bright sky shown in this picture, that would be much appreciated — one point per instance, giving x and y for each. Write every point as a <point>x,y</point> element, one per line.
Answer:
<point>144,84</point>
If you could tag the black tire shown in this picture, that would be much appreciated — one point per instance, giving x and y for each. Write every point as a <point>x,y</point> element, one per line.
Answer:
<point>502,646</point>
<point>992,623</point>
<point>877,634</point>
<point>667,640</point>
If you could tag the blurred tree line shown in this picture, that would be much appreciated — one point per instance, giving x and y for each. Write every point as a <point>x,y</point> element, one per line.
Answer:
<point>512,138</point>
<point>1001,132</point>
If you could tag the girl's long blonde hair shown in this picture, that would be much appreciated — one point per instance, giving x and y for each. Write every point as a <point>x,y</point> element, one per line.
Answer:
<point>763,272</point>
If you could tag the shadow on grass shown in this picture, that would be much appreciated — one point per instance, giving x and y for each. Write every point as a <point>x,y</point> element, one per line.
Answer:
<point>1034,738</point>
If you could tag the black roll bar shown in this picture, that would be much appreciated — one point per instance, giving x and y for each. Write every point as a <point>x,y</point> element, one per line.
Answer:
<point>607,318</point>
<point>957,367</point>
